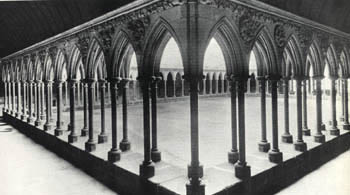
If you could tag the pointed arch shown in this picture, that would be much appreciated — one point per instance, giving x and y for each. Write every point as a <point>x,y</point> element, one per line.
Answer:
<point>331,58</point>
<point>95,63</point>
<point>60,65</point>
<point>292,51</point>
<point>156,41</point>
<point>48,66</point>
<point>344,63</point>
<point>314,55</point>
<point>38,72</point>
<point>30,69</point>
<point>266,53</point>
<point>120,55</point>
<point>227,36</point>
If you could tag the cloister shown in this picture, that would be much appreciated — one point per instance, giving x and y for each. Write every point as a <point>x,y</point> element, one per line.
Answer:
<point>97,70</point>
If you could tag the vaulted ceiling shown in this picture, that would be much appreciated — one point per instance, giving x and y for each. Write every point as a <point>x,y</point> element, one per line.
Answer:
<point>23,23</point>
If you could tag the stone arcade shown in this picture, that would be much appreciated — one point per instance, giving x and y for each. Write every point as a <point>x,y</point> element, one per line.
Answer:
<point>85,60</point>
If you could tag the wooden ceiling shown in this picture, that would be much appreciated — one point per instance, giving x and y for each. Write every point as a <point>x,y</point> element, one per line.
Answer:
<point>23,23</point>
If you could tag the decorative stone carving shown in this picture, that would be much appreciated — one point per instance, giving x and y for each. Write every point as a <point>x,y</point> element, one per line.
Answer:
<point>138,29</point>
<point>280,35</point>
<point>83,45</point>
<point>220,4</point>
<point>248,27</point>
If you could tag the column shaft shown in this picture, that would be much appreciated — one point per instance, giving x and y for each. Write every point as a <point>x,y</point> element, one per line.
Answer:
<point>155,153</point>
<point>59,130</point>
<point>333,128</point>
<point>319,137</point>
<point>275,155</point>
<point>306,130</point>
<point>84,131</point>
<point>264,146</point>
<point>346,125</point>
<point>233,154</point>
<point>90,145</point>
<point>102,137</point>
<point>286,137</point>
<point>300,145</point>
<point>114,153</point>
<point>72,137</point>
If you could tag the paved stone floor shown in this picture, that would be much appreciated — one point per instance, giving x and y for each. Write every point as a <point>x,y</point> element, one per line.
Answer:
<point>27,168</point>
<point>174,142</point>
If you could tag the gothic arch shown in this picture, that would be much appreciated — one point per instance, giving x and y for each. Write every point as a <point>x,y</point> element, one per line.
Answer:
<point>120,56</point>
<point>266,54</point>
<point>227,36</point>
<point>292,51</point>
<point>95,63</point>
<point>24,66</point>
<point>48,67</point>
<point>332,61</point>
<point>75,64</point>
<point>156,41</point>
<point>60,65</point>
<point>314,56</point>
<point>344,63</point>
<point>30,69</point>
<point>38,72</point>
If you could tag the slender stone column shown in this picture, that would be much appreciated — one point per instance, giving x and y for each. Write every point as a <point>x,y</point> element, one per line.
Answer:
<point>24,102</point>
<point>195,169</point>
<point>346,125</point>
<point>38,121</point>
<point>19,112</point>
<point>333,130</point>
<point>102,137</point>
<point>84,131</point>
<point>30,119</point>
<point>114,153</point>
<point>48,124</point>
<point>242,170</point>
<point>155,153</point>
<point>72,137</point>
<point>5,97</point>
<point>342,81</point>
<point>319,137</point>
<point>90,145</point>
<point>275,155</point>
<point>125,144</point>
<point>13,98</point>
<point>9,108</point>
<point>306,130</point>
<point>286,137</point>
<point>42,101</point>
<point>147,167</point>
<point>233,154</point>
<point>300,145</point>
<point>78,94</point>
<point>264,145</point>
<point>59,130</point>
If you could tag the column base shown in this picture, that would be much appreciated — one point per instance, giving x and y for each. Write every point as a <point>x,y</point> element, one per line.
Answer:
<point>275,156</point>
<point>264,146</point>
<point>233,156</point>
<point>346,126</point>
<point>300,146</point>
<point>124,145</point>
<point>320,138</point>
<point>334,131</point>
<point>323,127</point>
<point>287,138</point>
<point>38,123</point>
<point>113,155</point>
<point>58,132</point>
<point>193,173</point>
<point>23,117</point>
<point>195,189</point>
<point>156,155</point>
<point>90,146</point>
<point>42,118</point>
<point>72,138</point>
<point>147,170</point>
<point>306,132</point>
<point>242,171</point>
<point>17,114</point>
<point>84,132</point>
<point>47,126</point>
<point>30,120</point>
<point>102,138</point>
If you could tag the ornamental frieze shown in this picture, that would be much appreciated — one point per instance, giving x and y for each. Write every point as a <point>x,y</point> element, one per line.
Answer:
<point>138,30</point>
<point>280,35</point>
<point>248,28</point>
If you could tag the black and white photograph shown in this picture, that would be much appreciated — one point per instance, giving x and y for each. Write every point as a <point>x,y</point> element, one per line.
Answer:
<point>174,97</point>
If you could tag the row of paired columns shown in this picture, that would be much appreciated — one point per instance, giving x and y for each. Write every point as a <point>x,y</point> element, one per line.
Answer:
<point>302,121</point>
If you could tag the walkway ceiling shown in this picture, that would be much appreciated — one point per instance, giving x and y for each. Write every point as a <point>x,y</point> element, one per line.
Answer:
<point>23,23</point>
